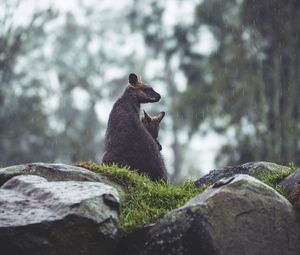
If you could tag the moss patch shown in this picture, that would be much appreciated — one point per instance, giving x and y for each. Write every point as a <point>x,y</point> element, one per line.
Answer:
<point>147,201</point>
<point>272,179</point>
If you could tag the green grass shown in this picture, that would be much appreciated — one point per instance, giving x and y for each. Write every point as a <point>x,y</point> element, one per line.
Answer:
<point>147,201</point>
<point>272,179</point>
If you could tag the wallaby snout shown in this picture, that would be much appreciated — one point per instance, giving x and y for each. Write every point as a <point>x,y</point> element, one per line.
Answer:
<point>148,95</point>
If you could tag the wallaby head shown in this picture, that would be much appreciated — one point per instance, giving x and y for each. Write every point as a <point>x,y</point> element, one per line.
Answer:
<point>152,125</point>
<point>142,92</point>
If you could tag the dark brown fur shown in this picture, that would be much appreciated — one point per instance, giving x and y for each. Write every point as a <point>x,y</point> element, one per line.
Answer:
<point>152,125</point>
<point>127,141</point>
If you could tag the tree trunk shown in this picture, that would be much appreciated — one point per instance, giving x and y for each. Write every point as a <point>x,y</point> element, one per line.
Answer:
<point>173,93</point>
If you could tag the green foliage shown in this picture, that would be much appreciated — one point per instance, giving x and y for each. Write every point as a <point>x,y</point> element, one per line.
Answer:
<point>273,178</point>
<point>24,128</point>
<point>249,82</point>
<point>147,201</point>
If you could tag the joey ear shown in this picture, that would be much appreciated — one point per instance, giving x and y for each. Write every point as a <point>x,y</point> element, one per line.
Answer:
<point>147,117</point>
<point>132,79</point>
<point>160,116</point>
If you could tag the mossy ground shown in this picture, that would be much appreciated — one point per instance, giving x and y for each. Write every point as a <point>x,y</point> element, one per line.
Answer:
<point>147,201</point>
<point>272,179</point>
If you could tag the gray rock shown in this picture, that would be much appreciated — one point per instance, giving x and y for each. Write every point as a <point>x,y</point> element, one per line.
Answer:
<point>254,169</point>
<point>132,242</point>
<point>294,197</point>
<point>238,216</point>
<point>290,181</point>
<point>52,172</point>
<point>58,172</point>
<point>41,217</point>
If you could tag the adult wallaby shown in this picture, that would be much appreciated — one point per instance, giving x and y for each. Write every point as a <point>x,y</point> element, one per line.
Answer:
<point>127,141</point>
<point>152,125</point>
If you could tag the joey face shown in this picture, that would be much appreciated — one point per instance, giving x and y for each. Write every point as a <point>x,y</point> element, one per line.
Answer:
<point>143,92</point>
<point>152,125</point>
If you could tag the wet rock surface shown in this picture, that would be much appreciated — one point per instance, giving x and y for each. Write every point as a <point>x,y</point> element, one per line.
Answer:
<point>133,242</point>
<point>254,169</point>
<point>61,209</point>
<point>52,172</point>
<point>294,196</point>
<point>289,182</point>
<point>41,217</point>
<point>238,216</point>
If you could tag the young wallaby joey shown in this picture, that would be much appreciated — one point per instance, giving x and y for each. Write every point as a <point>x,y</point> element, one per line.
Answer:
<point>152,125</point>
<point>127,141</point>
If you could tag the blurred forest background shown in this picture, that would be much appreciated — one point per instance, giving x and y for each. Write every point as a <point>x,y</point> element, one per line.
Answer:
<point>228,71</point>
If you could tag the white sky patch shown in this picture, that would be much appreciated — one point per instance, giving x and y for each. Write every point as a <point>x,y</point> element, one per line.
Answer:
<point>154,67</point>
<point>179,12</point>
<point>181,81</point>
<point>206,42</point>
<point>137,44</point>
<point>63,5</point>
<point>52,102</point>
<point>175,62</point>
<point>103,109</point>
<point>114,72</point>
<point>206,147</point>
<point>81,98</point>
<point>26,9</point>
<point>160,87</point>
<point>93,46</point>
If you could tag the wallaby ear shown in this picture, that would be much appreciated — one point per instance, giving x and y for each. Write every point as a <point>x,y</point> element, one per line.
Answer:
<point>147,117</point>
<point>133,79</point>
<point>160,116</point>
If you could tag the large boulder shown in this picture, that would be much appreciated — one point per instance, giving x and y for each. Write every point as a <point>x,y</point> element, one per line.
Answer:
<point>57,218</point>
<point>291,185</point>
<point>239,215</point>
<point>52,172</point>
<point>255,169</point>
<point>58,172</point>
<point>289,182</point>
<point>132,242</point>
